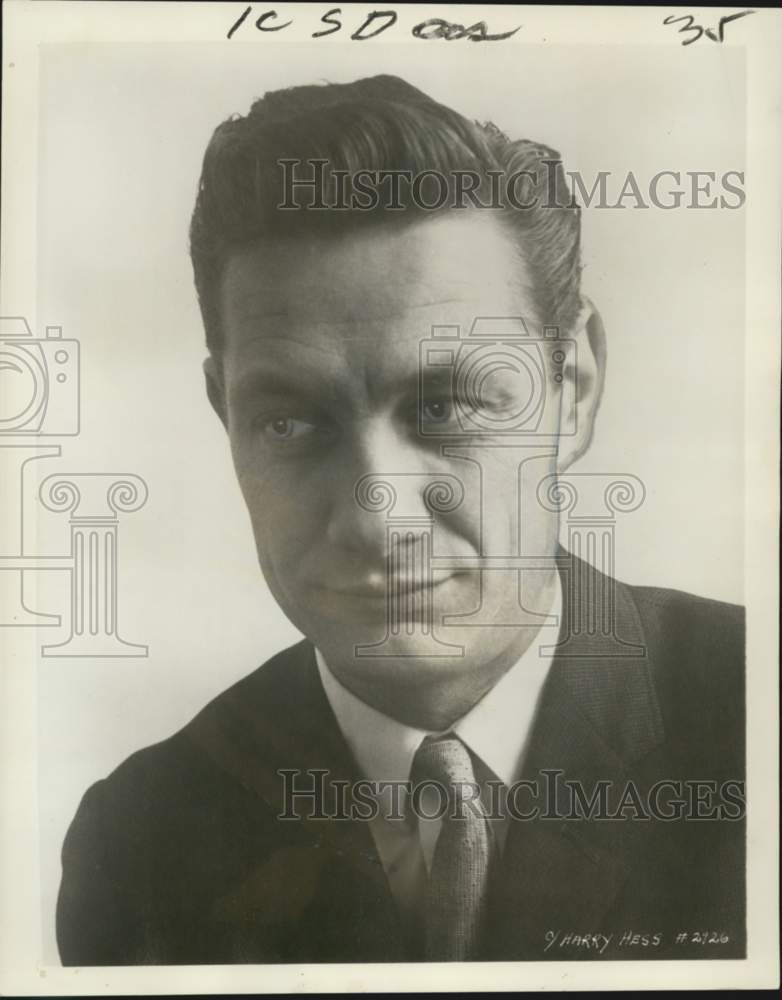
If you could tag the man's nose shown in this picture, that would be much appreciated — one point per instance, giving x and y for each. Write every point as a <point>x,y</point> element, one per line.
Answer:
<point>381,475</point>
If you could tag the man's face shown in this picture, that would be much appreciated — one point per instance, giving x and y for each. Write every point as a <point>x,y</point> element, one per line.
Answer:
<point>320,381</point>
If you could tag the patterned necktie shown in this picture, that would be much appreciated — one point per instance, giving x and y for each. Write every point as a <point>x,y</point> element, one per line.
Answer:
<point>455,900</point>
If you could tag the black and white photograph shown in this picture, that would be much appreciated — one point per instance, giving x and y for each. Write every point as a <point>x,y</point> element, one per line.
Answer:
<point>389,437</point>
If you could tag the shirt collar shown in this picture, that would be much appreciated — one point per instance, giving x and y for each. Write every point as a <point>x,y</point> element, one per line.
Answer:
<point>496,729</point>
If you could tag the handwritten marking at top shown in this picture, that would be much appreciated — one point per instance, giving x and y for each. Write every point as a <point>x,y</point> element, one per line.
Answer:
<point>434,28</point>
<point>699,30</point>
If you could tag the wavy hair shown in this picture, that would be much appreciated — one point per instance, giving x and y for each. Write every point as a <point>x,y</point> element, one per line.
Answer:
<point>381,123</point>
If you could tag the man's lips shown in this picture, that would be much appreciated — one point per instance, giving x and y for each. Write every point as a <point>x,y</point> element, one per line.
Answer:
<point>394,599</point>
<point>381,588</point>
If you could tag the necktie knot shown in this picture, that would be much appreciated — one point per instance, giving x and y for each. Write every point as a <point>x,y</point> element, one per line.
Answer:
<point>444,760</point>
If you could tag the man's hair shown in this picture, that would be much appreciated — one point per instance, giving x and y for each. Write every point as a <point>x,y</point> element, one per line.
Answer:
<point>380,123</point>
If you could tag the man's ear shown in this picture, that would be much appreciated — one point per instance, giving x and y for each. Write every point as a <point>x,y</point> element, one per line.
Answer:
<point>215,389</point>
<point>583,378</point>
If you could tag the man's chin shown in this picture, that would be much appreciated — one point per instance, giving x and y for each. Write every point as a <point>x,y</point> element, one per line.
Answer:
<point>401,661</point>
<point>366,629</point>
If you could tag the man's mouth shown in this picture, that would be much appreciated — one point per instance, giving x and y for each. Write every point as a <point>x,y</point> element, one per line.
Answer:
<point>383,588</point>
<point>377,591</point>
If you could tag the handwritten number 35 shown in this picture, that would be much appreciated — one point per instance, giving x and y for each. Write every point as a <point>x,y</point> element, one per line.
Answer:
<point>698,30</point>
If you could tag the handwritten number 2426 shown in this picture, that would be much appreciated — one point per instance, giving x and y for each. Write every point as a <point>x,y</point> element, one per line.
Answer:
<point>719,36</point>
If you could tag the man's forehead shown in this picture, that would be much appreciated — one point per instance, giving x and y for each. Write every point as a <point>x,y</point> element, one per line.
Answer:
<point>445,270</point>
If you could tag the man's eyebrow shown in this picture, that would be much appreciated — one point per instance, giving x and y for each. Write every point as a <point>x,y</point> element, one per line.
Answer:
<point>261,380</point>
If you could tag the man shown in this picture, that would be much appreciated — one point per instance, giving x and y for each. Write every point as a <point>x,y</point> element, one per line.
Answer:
<point>484,749</point>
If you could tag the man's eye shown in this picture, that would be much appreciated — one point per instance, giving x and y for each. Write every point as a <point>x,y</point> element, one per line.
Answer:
<point>436,411</point>
<point>282,428</point>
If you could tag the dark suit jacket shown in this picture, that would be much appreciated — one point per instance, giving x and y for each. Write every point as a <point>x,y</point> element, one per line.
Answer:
<point>179,857</point>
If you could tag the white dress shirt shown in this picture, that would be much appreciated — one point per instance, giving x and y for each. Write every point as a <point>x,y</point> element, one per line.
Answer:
<point>496,730</point>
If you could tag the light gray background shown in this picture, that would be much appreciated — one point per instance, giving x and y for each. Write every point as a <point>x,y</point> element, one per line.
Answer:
<point>122,132</point>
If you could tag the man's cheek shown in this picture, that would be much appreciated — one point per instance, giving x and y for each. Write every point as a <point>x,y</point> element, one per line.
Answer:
<point>285,522</point>
<point>267,513</point>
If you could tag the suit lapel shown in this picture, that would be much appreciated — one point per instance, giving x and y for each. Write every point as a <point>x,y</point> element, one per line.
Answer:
<point>597,716</point>
<point>321,887</point>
